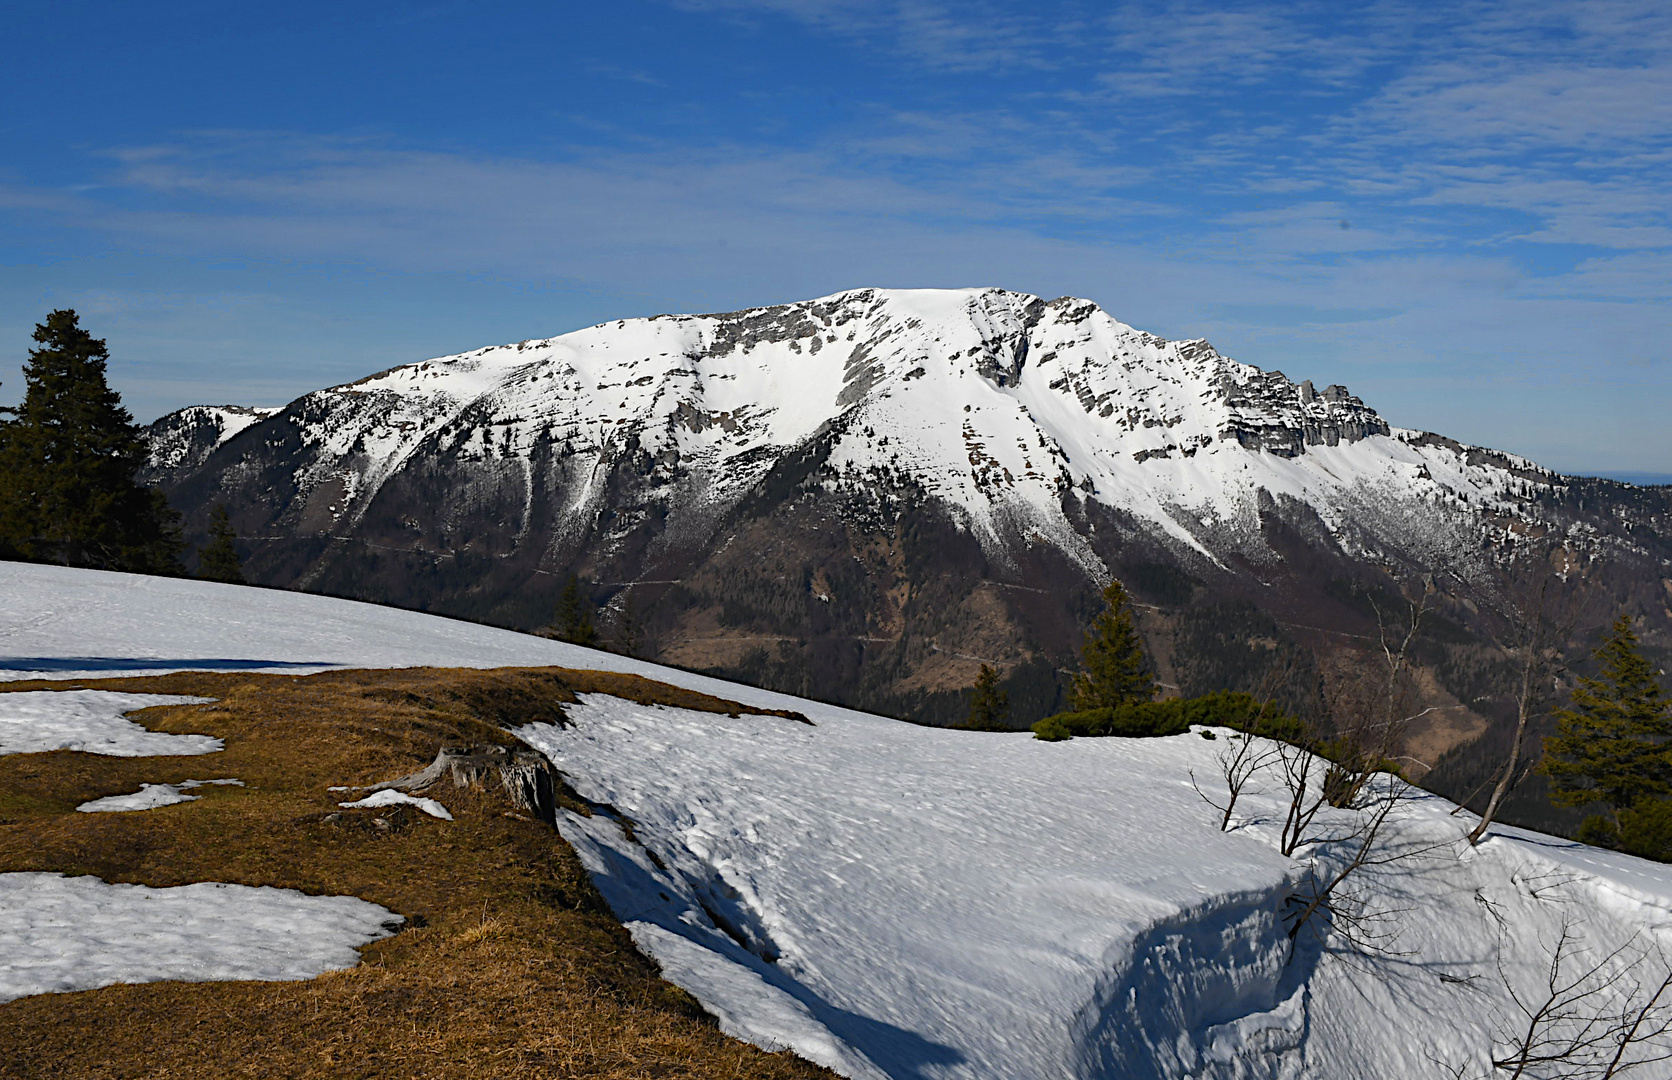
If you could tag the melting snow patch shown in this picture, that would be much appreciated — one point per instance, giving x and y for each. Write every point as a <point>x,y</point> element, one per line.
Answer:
<point>36,721</point>
<point>150,796</point>
<point>59,934</point>
<point>391,797</point>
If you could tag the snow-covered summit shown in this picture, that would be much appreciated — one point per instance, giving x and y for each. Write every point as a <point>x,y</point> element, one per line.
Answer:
<point>998,403</point>
<point>194,432</point>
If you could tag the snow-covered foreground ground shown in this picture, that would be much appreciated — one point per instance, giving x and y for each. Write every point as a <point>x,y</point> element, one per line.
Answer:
<point>916,903</point>
<point>905,902</point>
<point>60,623</point>
<point>77,933</point>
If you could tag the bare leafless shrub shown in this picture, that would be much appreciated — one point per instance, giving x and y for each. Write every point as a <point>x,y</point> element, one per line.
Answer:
<point>1240,758</point>
<point>1586,1019</point>
<point>1244,755</point>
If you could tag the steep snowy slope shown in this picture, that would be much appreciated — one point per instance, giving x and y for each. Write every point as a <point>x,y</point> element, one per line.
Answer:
<point>908,902</point>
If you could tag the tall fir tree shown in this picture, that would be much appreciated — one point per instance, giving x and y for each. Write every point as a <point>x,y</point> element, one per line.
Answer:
<point>574,615</point>
<point>218,561</point>
<point>1614,746</point>
<point>69,455</point>
<point>1114,670</point>
<point>629,631</point>
<point>989,706</point>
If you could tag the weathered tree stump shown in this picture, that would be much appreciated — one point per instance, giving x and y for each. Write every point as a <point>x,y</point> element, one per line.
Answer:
<point>524,775</point>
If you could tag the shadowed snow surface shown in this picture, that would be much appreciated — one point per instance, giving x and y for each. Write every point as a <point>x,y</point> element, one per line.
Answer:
<point>914,903</point>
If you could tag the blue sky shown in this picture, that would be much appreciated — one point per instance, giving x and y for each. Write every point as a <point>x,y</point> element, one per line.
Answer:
<point>1461,210</point>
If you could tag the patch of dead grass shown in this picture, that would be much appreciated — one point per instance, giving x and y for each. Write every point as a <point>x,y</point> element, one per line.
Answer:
<point>511,964</point>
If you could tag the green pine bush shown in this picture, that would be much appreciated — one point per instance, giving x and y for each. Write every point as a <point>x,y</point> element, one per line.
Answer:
<point>69,456</point>
<point>1646,830</point>
<point>1154,719</point>
<point>1614,744</point>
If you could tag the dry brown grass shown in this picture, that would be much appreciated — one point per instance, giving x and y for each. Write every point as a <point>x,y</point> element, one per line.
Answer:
<point>511,965</point>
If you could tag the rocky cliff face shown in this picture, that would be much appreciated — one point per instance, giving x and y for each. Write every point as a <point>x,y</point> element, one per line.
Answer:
<point>864,496</point>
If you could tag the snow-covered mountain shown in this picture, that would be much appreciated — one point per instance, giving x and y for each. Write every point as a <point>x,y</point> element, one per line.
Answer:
<point>193,433</point>
<point>863,496</point>
<point>902,903</point>
<point>995,404</point>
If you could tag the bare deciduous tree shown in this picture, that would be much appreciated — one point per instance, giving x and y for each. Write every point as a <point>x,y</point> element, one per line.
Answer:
<point>1245,755</point>
<point>1242,756</point>
<point>1369,697</point>
<point>1541,615</point>
<point>1355,848</point>
<point>1301,771</point>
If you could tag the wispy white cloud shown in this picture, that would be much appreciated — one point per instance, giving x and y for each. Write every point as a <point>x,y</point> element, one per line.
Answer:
<point>1383,103</point>
<point>965,36</point>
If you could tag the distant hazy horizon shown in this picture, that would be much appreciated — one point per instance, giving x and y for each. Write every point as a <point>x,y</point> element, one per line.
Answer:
<point>1641,479</point>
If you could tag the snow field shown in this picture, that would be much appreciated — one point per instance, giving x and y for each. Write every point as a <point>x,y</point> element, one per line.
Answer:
<point>941,903</point>
<point>59,934</point>
<point>63,623</point>
<point>92,721</point>
<point>150,796</point>
<point>902,902</point>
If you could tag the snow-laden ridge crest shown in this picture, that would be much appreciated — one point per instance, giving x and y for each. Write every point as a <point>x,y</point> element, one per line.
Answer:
<point>997,403</point>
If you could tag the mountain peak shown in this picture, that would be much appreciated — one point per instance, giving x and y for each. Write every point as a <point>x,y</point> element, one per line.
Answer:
<point>999,403</point>
<point>1010,411</point>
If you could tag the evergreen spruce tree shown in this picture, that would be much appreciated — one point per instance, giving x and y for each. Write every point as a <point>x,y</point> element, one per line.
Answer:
<point>68,459</point>
<point>218,561</point>
<point>1614,746</point>
<point>1114,669</point>
<point>574,620</point>
<point>989,706</point>
<point>629,633</point>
